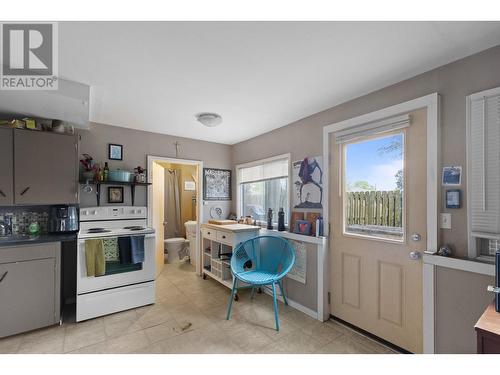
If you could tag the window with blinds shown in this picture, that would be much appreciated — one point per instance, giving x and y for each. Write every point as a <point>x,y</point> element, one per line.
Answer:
<point>263,185</point>
<point>483,162</point>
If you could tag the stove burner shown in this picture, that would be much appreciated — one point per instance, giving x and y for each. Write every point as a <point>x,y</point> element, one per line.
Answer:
<point>136,227</point>
<point>98,230</point>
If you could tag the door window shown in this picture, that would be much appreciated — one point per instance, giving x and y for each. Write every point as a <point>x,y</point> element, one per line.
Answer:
<point>374,187</point>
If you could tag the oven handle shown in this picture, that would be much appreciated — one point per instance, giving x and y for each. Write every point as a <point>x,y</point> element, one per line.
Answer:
<point>150,235</point>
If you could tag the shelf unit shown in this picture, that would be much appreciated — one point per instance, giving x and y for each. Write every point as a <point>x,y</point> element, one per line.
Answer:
<point>117,183</point>
<point>218,243</point>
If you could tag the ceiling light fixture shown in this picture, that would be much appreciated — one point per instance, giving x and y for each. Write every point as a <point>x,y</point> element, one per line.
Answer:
<point>209,119</point>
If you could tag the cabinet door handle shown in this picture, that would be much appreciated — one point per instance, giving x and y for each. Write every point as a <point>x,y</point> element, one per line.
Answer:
<point>3,276</point>
<point>208,232</point>
<point>25,191</point>
<point>2,194</point>
<point>223,236</point>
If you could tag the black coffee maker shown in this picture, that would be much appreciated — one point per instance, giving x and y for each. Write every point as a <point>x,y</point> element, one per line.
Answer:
<point>63,218</point>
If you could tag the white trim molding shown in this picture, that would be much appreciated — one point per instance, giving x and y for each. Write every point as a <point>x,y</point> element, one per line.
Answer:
<point>199,196</point>
<point>260,162</point>
<point>431,103</point>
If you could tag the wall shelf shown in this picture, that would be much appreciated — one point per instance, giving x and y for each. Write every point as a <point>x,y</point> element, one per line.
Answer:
<point>119,183</point>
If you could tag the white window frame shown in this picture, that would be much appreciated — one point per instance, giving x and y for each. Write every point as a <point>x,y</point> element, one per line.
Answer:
<point>260,162</point>
<point>472,250</point>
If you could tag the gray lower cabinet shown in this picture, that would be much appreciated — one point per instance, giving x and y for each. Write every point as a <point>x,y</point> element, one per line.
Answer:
<point>29,287</point>
<point>46,168</point>
<point>6,167</point>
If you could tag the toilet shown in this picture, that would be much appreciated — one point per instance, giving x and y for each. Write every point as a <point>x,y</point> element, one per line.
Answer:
<point>173,247</point>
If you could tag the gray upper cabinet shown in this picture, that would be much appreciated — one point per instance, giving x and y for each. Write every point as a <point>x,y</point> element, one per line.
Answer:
<point>46,168</point>
<point>6,167</point>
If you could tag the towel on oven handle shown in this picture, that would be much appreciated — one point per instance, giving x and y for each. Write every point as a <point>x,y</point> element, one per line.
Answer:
<point>94,257</point>
<point>124,249</point>
<point>137,249</point>
<point>131,249</point>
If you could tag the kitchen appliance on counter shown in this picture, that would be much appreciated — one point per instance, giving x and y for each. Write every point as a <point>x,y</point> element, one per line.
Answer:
<point>124,284</point>
<point>63,218</point>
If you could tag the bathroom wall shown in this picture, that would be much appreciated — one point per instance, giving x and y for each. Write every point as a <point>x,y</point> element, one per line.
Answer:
<point>187,209</point>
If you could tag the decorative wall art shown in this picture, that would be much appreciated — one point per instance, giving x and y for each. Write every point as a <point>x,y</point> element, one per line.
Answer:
<point>307,181</point>
<point>115,194</point>
<point>115,152</point>
<point>452,176</point>
<point>216,184</point>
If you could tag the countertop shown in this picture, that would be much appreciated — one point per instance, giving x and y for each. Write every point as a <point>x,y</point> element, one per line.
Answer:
<point>489,321</point>
<point>42,238</point>
<point>232,227</point>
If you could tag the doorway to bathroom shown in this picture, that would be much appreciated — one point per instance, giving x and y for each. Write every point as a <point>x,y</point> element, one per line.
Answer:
<point>175,210</point>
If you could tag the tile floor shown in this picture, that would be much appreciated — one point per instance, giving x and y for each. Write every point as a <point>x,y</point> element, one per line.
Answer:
<point>189,317</point>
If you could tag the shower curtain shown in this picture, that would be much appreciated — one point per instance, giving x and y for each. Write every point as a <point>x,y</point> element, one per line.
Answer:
<point>172,204</point>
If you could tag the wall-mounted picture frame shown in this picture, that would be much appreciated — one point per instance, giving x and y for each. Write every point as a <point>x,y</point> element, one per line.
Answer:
<point>115,194</point>
<point>216,184</point>
<point>453,198</point>
<point>115,152</point>
<point>452,176</point>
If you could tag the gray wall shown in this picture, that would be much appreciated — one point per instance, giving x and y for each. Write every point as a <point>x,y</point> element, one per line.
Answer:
<point>461,298</point>
<point>137,145</point>
<point>453,81</point>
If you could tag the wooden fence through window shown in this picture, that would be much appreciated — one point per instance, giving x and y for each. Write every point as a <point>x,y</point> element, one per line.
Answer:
<point>382,208</point>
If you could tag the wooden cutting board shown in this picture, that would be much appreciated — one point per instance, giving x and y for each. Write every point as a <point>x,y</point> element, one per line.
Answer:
<point>222,222</point>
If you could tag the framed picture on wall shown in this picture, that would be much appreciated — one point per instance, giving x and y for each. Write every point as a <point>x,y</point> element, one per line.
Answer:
<point>115,194</point>
<point>452,176</point>
<point>115,152</point>
<point>216,184</point>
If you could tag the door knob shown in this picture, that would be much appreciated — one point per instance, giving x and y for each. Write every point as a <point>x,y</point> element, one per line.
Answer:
<point>415,255</point>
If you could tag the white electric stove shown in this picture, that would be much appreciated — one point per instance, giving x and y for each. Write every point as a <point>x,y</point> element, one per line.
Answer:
<point>128,286</point>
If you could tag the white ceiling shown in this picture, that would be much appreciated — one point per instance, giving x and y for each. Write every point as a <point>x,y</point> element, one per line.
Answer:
<point>157,76</point>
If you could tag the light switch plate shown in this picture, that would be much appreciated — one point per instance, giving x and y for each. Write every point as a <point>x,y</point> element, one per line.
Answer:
<point>445,221</point>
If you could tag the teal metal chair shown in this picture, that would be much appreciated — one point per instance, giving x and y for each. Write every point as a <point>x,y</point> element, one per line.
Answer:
<point>260,262</point>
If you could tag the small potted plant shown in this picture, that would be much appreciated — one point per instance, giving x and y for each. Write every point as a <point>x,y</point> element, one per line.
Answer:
<point>140,174</point>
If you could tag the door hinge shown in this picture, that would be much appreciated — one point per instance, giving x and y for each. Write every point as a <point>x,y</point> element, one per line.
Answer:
<point>329,297</point>
<point>329,229</point>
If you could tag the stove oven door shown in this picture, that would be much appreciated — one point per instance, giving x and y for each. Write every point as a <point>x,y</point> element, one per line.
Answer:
<point>117,275</point>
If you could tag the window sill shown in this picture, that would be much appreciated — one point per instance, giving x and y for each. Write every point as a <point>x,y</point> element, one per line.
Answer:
<point>295,236</point>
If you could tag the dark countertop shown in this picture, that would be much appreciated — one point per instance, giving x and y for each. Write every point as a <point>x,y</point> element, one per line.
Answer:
<point>17,240</point>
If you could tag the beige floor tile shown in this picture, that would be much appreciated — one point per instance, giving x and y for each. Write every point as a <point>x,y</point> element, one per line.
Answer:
<point>249,339</point>
<point>189,318</point>
<point>294,343</point>
<point>268,327</point>
<point>323,333</point>
<point>51,344</point>
<point>211,340</point>
<point>81,335</point>
<point>157,314</point>
<point>10,345</point>
<point>174,345</point>
<point>99,348</point>
<point>344,345</point>
<point>121,327</point>
<point>258,313</point>
<point>163,331</point>
<point>127,343</point>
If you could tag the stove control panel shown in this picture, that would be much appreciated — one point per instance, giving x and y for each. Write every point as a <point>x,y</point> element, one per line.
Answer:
<point>112,213</point>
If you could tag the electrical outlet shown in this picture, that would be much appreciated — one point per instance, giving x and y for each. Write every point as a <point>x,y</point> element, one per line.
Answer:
<point>445,221</point>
